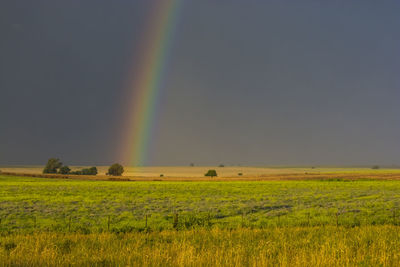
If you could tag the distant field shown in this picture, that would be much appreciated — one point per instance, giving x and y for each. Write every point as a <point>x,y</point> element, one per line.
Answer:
<point>231,173</point>
<point>174,171</point>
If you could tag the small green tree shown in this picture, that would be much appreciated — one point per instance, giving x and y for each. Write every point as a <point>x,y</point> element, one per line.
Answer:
<point>52,165</point>
<point>115,170</point>
<point>64,170</point>
<point>93,171</point>
<point>211,173</point>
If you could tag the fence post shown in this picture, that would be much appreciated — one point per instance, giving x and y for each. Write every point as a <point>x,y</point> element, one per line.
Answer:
<point>208,219</point>
<point>176,221</point>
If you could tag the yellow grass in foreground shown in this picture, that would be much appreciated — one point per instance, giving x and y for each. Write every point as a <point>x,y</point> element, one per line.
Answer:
<point>315,246</point>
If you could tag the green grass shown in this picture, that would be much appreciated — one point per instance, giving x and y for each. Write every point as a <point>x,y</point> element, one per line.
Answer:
<point>36,204</point>
<point>55,222</point>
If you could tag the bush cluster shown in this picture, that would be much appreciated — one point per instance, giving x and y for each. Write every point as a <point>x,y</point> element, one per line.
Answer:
<point>89,171</point>
<point>54,165</point>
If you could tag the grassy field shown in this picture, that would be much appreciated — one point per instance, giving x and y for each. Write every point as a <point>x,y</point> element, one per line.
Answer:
<point>331,222</point>
<point>228,173</point>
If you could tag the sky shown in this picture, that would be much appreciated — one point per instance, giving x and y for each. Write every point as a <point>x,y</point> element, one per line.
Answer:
<point>247,82</point>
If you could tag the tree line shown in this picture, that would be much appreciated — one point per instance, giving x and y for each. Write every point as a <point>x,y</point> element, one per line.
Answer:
<point>55,166</point>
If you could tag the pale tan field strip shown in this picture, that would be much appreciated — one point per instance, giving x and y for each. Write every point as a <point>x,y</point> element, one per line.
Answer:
<point>224,173</point>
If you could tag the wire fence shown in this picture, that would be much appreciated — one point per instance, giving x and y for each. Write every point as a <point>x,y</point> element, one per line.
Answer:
<point>113,222</point>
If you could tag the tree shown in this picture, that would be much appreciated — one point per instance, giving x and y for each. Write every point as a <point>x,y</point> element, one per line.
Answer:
<point>115,170</point>
<point>211,173</point>
<point>93,171</point>
<point>52,166</point>
<point>64,170</point>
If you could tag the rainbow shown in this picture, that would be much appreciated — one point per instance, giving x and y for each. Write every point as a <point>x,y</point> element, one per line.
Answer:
<point>148,76</point>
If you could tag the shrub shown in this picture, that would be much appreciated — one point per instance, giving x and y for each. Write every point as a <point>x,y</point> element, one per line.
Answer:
<point>376,167</point>
<point>85,172</point>
<point>52,166</point>
<point>115,170</point>
<point>90,171</point>
<point>64,170</point>
<point>240,174</point>
<point>211,173</point>
<point>221,165</point>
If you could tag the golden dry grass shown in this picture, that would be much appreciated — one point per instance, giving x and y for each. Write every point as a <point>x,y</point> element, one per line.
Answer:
<point>295,246</point>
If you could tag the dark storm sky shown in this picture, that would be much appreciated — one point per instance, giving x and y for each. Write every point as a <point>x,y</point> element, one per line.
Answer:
<point>249,82</point>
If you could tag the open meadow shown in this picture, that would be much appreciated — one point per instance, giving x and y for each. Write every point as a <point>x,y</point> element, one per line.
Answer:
<point>332,221</point>
<point>226,173</point>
